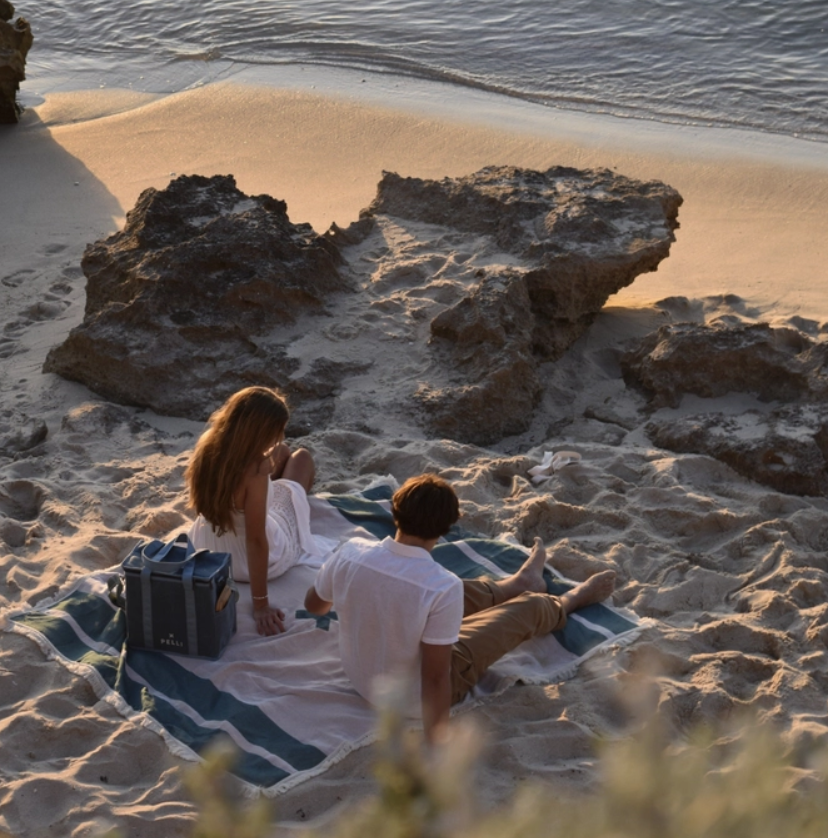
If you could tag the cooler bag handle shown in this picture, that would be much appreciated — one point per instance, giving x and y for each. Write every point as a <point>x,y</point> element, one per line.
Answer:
<point>160,556</point>
<point>190,607</point>
<point>146,602</point>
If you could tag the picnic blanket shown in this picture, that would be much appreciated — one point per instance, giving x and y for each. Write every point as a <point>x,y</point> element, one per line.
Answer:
<point>285,700</point>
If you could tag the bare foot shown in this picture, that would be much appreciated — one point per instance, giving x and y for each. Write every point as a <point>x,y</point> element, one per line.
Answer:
<point>595,589</point>
<point>530,575</point>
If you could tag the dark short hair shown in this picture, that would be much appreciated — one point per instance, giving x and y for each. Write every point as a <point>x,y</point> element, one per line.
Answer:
<point>425,506</point>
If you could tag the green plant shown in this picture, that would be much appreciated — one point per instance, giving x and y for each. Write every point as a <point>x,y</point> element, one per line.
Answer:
<point>221,814</point>
<point>735,784</point>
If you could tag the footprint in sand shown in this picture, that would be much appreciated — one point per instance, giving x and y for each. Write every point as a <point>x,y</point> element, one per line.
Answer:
<point>72,271</point>
<point>19,432</point>
<point>60,289</point>
<point>67,283</point>
<point>16,279</point>
<point>21,500</point>
<point>57,247</point>
<point>16,327</point>
<point>8,347</point>
<point>47,309</point>
<point>805,324</point>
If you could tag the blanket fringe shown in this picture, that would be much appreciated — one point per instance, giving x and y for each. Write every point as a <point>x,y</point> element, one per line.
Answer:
<point>337,756</point>
<point>102,690</point>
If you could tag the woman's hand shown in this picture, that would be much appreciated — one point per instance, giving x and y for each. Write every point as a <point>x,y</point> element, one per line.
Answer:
<point>269,620</point>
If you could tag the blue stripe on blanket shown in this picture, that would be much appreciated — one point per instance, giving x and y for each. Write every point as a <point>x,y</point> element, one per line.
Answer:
<point>367,514</point>
<point>215,707</point>
<point>64,638</point>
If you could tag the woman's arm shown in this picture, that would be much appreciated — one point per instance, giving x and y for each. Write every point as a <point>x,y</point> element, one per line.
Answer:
<point>276,459</point>
<point>268,620</point>
<point>314,604</point>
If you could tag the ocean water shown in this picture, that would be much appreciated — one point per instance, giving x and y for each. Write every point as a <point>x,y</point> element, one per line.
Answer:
<point>755,64</point>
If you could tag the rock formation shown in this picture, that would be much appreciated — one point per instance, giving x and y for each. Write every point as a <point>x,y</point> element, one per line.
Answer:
<point>15,42</point>
<point>772,363</point>
<point>581,235</point>
<point>196,297</point>
<point>785,447</point>
<point>487,339</point>
<point>175,302</point>
<point>566,239</point>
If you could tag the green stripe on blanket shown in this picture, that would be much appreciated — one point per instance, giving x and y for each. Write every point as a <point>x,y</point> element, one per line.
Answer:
<point>284,700</point>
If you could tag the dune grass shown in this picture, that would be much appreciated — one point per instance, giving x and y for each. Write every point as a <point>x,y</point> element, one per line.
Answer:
<point>737,784</point>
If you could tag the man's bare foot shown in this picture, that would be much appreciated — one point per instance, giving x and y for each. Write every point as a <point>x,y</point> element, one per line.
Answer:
<point>595,589</point>
<point>530,575</point>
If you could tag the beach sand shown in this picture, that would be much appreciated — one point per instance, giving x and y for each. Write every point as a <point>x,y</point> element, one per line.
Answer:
<point>683,531</point>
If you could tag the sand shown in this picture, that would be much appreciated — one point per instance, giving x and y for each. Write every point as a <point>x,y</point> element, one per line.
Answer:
<point>733,573</point>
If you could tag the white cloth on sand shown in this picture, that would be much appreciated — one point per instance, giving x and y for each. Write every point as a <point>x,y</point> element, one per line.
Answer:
<point>288,533</point>
<point>552,463</point>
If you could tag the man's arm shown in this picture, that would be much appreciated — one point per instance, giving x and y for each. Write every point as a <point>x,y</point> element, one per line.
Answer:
<point>435,676</point>
<point>314,603</point>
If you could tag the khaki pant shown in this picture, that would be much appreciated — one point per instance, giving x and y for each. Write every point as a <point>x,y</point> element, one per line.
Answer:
<point>492,627</point>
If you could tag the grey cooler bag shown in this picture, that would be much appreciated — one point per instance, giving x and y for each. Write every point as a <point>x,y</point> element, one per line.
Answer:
<point>179,599</point>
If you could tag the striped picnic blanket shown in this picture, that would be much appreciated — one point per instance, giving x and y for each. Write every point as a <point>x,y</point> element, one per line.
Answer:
<point>285,701</point>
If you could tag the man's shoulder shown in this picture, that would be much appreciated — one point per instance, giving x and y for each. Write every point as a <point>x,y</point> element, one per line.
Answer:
<point>384,558</point>
<point>359,546</point>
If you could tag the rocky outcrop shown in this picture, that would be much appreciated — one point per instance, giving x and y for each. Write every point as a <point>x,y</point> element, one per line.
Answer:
<point>177,301</point>
<point>579,235</point>
<point>199,295</point>
<point>484,339</point>
<point>786,448</point>
<point>562,241</point>
<point>15,42</point>
<point>771,363</point>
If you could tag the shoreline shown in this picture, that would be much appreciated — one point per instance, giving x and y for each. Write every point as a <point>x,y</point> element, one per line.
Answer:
<point>436,97</point>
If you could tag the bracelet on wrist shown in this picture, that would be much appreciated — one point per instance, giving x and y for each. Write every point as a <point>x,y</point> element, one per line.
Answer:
<point>259,598</point>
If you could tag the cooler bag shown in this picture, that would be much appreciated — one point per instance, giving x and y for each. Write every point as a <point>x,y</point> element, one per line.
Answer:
<point>179,599</point>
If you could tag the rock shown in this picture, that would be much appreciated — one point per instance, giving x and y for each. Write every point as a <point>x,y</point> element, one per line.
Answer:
<point>786,448</point>
<point>582,235</point>
<point>566,239</point>
<point>15,42</point>
<point>183,303</point>
<point>772,363</point>
<point>487,339</point>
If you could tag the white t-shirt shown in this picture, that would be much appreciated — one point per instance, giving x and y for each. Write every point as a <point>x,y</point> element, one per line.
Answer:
<point>389,597</point>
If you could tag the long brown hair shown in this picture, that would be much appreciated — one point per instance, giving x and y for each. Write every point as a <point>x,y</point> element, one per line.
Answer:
<point>237,435</point>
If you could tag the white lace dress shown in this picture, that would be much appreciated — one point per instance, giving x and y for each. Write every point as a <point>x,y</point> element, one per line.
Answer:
<point>288,531</point>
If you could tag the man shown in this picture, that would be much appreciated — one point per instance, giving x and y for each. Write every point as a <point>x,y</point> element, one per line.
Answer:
<point>401,612</point>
